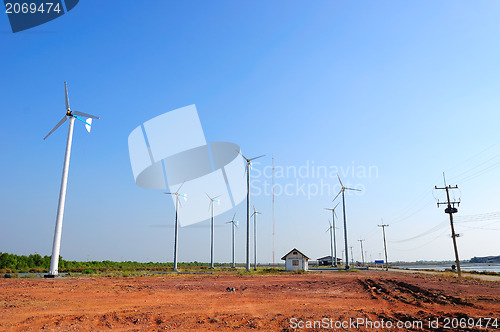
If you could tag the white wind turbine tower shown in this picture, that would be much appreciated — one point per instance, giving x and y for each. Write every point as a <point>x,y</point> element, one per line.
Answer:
<point>333,230</point>
<point>176,238</point>
<point>234,223</point>
<point>212,201</point>
<point>247,170</point>
<point>72,115</point>
<point>342,191</point>
<point>254,215</point>
<point>331,243</point>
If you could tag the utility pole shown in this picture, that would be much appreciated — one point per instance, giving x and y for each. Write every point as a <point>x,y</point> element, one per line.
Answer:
<point>385,246</point>
<point>362,252</point>
<point>450,209</point>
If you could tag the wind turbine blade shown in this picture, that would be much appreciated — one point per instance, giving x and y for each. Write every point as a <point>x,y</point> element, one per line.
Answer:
<point>241,154</point>
<point>85,115</point>
<point>258,157</point>
<point>66,95</point>
<point>352,189</point>
<point>79,119</point>
<point>337,196</point>
<point>88,125</point>
<point>340,180</point>
<point>180,187</point>
<point>328,229</point>
<point>169,193</point>
<point>57,126</point>
<point>234,216</point>
<point>336,206</point>
<point>208,196</point>
<point>217,196</point>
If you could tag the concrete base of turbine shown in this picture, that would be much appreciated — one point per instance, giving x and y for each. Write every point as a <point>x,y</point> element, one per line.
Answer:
<point>50,275</point>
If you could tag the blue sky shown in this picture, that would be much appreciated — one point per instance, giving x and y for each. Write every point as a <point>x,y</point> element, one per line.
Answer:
<point>409,89</point>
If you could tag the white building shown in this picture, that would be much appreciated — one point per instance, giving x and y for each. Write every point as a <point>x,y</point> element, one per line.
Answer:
<point>295,260</point>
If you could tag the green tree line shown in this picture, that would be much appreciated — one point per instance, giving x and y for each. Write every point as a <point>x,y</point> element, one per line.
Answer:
<point>22,263</point>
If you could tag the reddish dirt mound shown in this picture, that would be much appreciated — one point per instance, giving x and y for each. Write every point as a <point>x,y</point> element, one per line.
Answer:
<point>275,302</point>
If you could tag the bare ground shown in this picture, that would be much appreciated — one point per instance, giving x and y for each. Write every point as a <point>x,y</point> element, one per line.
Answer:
<point>266,302</point>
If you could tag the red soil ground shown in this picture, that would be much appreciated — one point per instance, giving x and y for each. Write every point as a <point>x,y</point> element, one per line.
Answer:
<point>265,302</point>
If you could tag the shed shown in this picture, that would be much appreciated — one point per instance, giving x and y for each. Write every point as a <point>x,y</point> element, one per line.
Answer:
<point>327,260</point>
<point>295,260</point>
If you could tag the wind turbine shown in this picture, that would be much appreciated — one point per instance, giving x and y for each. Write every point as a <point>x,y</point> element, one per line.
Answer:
<point>332,230</point>
<point>176,244</point>
<point>234,224</point>
<point>212,201</point>
<point>254,215</point>
<point>247,170</point>
<point>72,115</point>
<point>342,191</point>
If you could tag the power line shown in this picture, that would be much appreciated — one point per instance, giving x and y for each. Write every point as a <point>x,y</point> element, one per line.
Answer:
<point>423,245</point>
<point>429,231</point>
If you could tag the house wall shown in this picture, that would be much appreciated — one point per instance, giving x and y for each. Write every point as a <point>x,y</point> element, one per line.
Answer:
<point>303,265</point>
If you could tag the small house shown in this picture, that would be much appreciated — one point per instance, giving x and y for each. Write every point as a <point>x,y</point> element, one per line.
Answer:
<point>327,261</point>
<point>295,260</point>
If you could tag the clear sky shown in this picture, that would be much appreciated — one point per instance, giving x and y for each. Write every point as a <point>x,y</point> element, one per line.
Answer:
<point>389,93</point>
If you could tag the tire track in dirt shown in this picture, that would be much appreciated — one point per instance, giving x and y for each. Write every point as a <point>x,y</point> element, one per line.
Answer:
<point>393,290</point>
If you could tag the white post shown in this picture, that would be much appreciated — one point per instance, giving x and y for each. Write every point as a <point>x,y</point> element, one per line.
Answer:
<point>255,239</point>
<point>233,244</point>
<point>334,239</point>
<point>176,230</point>
<point>331,244</point>
<point>345,232</point>
<point>248,218</point>
<point>56,246</point>
<point>212,238</point>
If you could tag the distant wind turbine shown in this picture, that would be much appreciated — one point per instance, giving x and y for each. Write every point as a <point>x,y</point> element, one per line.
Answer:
<point>212,201</point>
<point>342,191</point>
<point>247,170</point>
<point>333,230</point>
<point>254,214</point>
<point>176,238</point>
<point>234,223</point>
<point>72,115</point>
